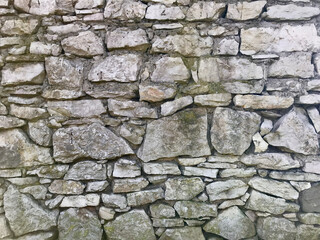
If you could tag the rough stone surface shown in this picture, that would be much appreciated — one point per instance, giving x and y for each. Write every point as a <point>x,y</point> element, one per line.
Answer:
<point>185,233</point>
<point>189,209</point>
<point>276,228</point>
<point>262,102</point>
<point>226,190</point>
<point>183,188</point>
<point>124,10</point>
<point>87,170</point>
<point>205,11</point>
<point>309,199</point>
<point>245,10</point>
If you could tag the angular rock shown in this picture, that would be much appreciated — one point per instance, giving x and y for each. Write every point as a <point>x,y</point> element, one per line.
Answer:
<point>200,171</point>
<point>213,100</point>
<point>300,186</point>
<point>40,133</point>
<point>4,229</point>
<point>231,224</point>
<point>96,186</point>
<point>295,176</point>
<point>41,48</point>
<point>129,39</point>
<point>245,10</point>
<point>161,142</point>
<point>79,224</point>
<point>161,12</point>
<point>106,213</point>
<point>125,226</point>
<point>38,191</point>
<point>80,201</point>
<point>51,171</point>
<point>7,122</point>
<point>266,127</point>
<point>240,172</point>
<point>24,215</point>
<point>309,199</point>
<point>124,10</point>
<point>21,73</point>
<point>129,185</point>
<point>191,161</point>
<point>93,141</point>
<point>169,108</point>
<point>185,233</point>
<point>309,218</point>
<point>202,10</point>
<point>19,26</point>
<point>262,102</point>
<point>260,145</point>
<point>226,190</point>
<point>189,209</point>
<point>87,170</point>
<point>156,93</point>
<point>232,130</point>
<point>244,87</point>
<point>85,44</point>
<point>226,46</point>
<point>17,151</point>
<point>272,228</point>
<point>132,133</point>
<point>183,188</point>
<point>277,161</point>
<point>294,133</point>
<point>124,168</point>
<point>66,187</point>
<point>309,99</point>
<point>307,232</point>
<point>160,210</point>
<point>161,168</point>
<point>145,197</point>
<point>37,236</point>
<point>114,200</point>
<point>131,109</point>
<point>85,4</point>
<point>167,223</point>
<point>25,112</point>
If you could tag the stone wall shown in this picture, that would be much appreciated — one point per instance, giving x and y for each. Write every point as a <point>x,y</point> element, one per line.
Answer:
<point>159,119</point>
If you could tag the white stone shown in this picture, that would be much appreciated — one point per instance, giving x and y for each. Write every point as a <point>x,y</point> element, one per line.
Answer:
<point>106,213</point>
<point>202,10</point>
<point>309,99</point>
<point>200,171</point>
<point>262,102</point>
<point>114,200</point>
<point>161,168</point>
<point>266,127</point>
<point>124,168</point>
<point>229,189</point>
<point>226,47</point>
<point>242,11</point>
<point>85,4</point>
<point>259,144</point>
<point>124,10</point>
<point>315,117</point>
<point>169,108</point>
<point>89,200</point>
<point>44,48</point>
<point>190,161</point>
<point>161,12</point>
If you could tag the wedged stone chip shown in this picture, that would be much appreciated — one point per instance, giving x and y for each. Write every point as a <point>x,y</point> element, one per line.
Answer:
<point>266,127</point>
<point>314,85</point>
<point>310,163</point>
<point>16,150</point>
<point>264,203</point>
<point>231,224</point>
<point>66,187</point>
<point>76,109</point>
<point>93,141</point>
<point>114,200</point>
<point>187,45</point>
<point>131,109</point>
<point>226,189</point>
<point>124,168</point>
<point>161,168</point>
<point>262,102</point>
<point>189,209</point>
<point>156,93</point>
<point>145,197</point>
<point>202,10</point>
<point>80,201</point>
<point>40,133</point>
<point>129,184</point>
<point>160,210</point>
<point>126,38</point>
<point>124,10</point>
<point>285,38</point>
<point>290,12</point>
<point>4,229</point>
<point>260,145</point>
<point>272,228</point>
<point>191,161</point>
<point>125,226</point>
<point>213,100</point>
<point>232,130</point>
<point>7,122</point>
<point>161,142</point>
<point>183,188</point>
<point>24,215</point>
<point>161,12</point>
<point>307,232</point>
<point>272,187</point>
<point>294,133</point>
<point>170,69</point>
<point>200,171</point>
<point>277,161</point>
<point>292,65</point>
<point>185,233</point>
<point>242,11</point>
<point>85,44</point>
<point>309,99</point>
<point>310,199</point>
<point>300,186</point>
<point>87,170</point>
<point>171,107</point>
<point>106,213</point>
<point>37,191</point>
<point>79,224</point>
<point>21,73</point>
<point>19,26</point>
<point>122,68</point>
<point>132,133</point>
<point>3,109</point>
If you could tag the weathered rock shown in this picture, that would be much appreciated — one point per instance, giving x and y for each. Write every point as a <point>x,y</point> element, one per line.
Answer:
<point>44,48</point>
<point>189,209</point>
<point>124,10</point>
<point>240,172</point>
<point>114,200</point>
<point>309,99</point>
<point>19,26</point>
<point>161,12</point>
<point>17,151</point>
<point>85,44</point>
<point>242,11</point>
<point>145,197</point>
<point>4,229</point>
<point>200,171</point>
<point>226,189</point>
<point>93,141</point>
<point>276,188</point>
<point>185,233</point>
<point>129,39</point>
<point>40,133</point>
<point>169,108</point>
<point>262,102</point>
<point>170,69</point>
<point>213,100</point>
<point>272,228</point>
<point>260,145</point>
<point>183,188</point>
<point>20,73</point>
<point>156,93</point>
<point>26,112</point>
<point>161,142</point>
<point>307,232</point>
<point>286,38</point>
<point>232,130</point>
<point>122,68</point>
<point>131,109</point>
<point>226,46</point>
<point>266,127</point>
<point>309,218</point>
<point>132,133</point>
<point>25,215</point>
<point>7,122</point>
<point>79,224</point>
<point>191,161</point>
<point>202,10</point>
<point>97,186</point>
<point>294,133</point>
<point>66,187</point>
<point>106,213</point>
<point>161,168</point>
<point>167,223</point>
<point>124,168</point>
<point>160,210</point>
<point>244,87</point>
<point>125,226</point>
<point>295,176</point>
<point>300,186</point>
<point>231,224</point>
<point>87,170</point>
<point>51,171</point>
<point>310,199</point>
<point>291,12</point>
<point>129,185</point>
<point>80,201</point>
<point>277,161</point>
<point>37,191</point>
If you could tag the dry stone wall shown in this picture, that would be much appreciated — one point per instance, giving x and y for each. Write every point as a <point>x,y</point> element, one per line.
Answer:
<point>159,119</point>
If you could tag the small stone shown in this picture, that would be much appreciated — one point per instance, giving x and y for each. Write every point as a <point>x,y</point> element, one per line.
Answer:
<point>167,223</point>
<point>66,187</point>
<point>124,10</point>
<point>160,210</point>
<point>307,232</point>
<point>189,209</point>
<point>295,176</point>
<point>191,161</point>
<point>314,115</point>
<point>129,185</point>
<point>213,100</point>
<point>156,93</point>
<point>124,168</point>
<point>271,228</point>
<point>89,200</point>
<point>7,122</point>
<point>169,108</point>
<point>19,26</point>
<point>106,213</point>
<point>200,171</point>
<point>244,87</point>
<point>161,168</point>
<point>40,133</point>
<point>97,186</point>
<point>223,159</point>
<point>243,11</point>
<point>161,12</point>
<point>262,102</point>
<point>309,199</point>
<point>185,233</point>
<point>169,26</point>
<point>4,229</point>
<point>309,218</point>
<point>266,127</point>
<point>309,99</point>
<point>183,188</point>
<point>132,133</point>
<point>85,4</point>
<point>87,170</point>
<point>259,144</point>
<point>145,197</point>
<point>226,189</point>
<point>38,192</point>
<point>231,203</point>
<point>202,10</point>
<point>51,171</point>
<point>114,200</point>
<point>41,48</point>
<point>25,112</point>
<point>226,47</point>
<point>300,186</point>
<point>10,173</point>
<point>240,172</point>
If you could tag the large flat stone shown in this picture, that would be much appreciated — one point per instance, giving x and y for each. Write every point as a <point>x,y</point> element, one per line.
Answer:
<point>184,233</point>
<point>229,189</point>
<point>262,102</point>
<point>272,228</point>
<point>87,170</point>
<point>200,11</point>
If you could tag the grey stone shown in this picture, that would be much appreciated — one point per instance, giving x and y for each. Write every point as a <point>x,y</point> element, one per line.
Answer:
<point>10,173</point>
<point>132,133</point>
<point>160,210</point>
<point>97,186</point>
<point>37,191</point>
<point>80,201</point>
<point>213,100</point>
<point>226,189</point>
<point>202,10</point>
<point>24,215</point>
<point>169,108</point>
<point>243,11</point>
<point>262,102</point>
<point>7,122</point>
<point>51,171</point>
<point>189,209</point>
<point>272,228</point>
<point>200,171</point>
<point>309,218</point>
<point>156,93</point>
<point>309,99</point>
<point>295,176</point>
<point>3,109</point>
<point>85,4</point>
<point>125,227</point>
<point>93,141</point>
<point>114,200</point>
<point>239,172</point>
<point>145,197</point>
<point>161,142</point>
<point>124,168</point>
<point>26,112</point>
<point>79,224</point>
<point>183,188</point>
<point>87,170</point>
<point>167,223</point>
<point>243,87</point>
<point>307,232</point>
<point>309,199</point>
<point>40,133</point>
<point>185,233</point>
<point>129,185</point>
<point>231,224</point>
<point>191,161</point>
<point>41,48</point>
<point>161,168</point>
<point>66,187</point>
<point>226,46</point>
<point>161,12</point>
<point>125,10</point>
<point>106,213</point>
<point>37,236</point>
<point>4,228</point>
<point>19,26</point>
<point>232,130</point>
